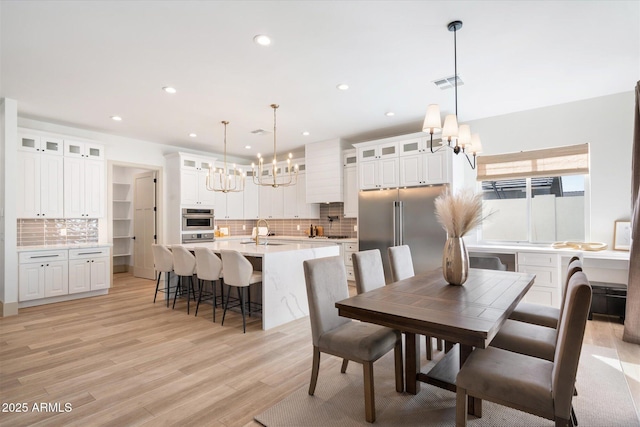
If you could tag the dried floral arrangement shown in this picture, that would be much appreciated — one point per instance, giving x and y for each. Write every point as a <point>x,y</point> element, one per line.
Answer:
<point>459,212</point>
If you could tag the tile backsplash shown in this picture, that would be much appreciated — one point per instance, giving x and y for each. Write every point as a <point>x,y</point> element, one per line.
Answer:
<point>289,227</point>
<point>38,232</point>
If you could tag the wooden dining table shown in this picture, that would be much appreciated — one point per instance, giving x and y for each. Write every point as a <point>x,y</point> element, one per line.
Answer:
<point>465,316</point>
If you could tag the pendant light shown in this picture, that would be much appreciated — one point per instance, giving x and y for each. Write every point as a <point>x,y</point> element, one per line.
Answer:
<point>274,179</point>
<point>458,138</point>
<point>225,180</point>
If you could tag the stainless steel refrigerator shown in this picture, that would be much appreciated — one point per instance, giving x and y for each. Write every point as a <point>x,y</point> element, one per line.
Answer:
<point>402,217</point>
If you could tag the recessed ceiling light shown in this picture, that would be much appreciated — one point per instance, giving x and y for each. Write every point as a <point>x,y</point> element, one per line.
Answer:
<point>389,114</point>
<point>262,40</point>
<point>192,135</point>
<point>169,89</point>
<point>305,133</point>
<point>116,118</point>
<point>248,147</point>
<point>343,86</point>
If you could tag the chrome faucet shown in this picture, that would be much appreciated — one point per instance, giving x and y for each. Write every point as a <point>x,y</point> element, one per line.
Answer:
<point>258,229</point>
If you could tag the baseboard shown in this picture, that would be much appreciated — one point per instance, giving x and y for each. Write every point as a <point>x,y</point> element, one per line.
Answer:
<point>8,309</point>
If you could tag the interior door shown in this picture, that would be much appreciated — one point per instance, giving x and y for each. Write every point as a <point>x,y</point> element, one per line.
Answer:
<point>144,224</point>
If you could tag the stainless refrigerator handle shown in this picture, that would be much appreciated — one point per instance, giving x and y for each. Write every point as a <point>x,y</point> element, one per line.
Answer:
<point>401,224</point>
<point>396,206</point>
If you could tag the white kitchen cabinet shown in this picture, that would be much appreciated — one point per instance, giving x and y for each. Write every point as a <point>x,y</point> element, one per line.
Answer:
<point>250,198</point>
<point>193,182</point>
<point>350,173</point>
<point>546,289</point>
<point>42,274</point>
<point>40,144</point>
<point>229,205</point>
<point>348,249</point>
<point>381,173</point>
<point>271,202</point>
<point>83,149</point>
<point>295,201</point>
<point>419,166</point>
<point>40,192</point>
<point>89,269</point>
<point>84,191</point>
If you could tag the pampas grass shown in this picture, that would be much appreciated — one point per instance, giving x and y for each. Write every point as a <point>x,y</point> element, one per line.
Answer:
<point>459,213</point>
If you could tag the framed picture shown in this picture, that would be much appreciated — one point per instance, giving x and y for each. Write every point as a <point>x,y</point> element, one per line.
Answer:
<point>622,236</point>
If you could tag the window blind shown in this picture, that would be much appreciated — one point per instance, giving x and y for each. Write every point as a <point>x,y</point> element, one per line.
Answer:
<point>569,160</point>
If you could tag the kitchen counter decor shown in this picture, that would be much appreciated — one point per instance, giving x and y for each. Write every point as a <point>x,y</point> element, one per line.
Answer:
<point>458,213</point>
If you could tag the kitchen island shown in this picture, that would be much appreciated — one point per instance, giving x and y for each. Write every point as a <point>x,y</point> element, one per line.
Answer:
<point>284,293</point>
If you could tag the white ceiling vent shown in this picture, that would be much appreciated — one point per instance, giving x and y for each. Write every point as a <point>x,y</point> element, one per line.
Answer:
<point>448,82</point>
<point>260,132</point>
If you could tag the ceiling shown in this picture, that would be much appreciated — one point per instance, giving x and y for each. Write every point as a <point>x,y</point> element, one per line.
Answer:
<point>78,63</point>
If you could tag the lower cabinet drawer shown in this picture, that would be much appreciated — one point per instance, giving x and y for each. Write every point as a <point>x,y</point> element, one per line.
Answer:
<point>350,274</point>
<point>545,276</point>
<point>543,295</point>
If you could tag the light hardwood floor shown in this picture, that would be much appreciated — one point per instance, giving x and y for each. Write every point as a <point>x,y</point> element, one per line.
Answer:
<point>121,360</point>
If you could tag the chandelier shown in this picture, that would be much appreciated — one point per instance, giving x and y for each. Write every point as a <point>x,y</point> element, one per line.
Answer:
<point>274,179</point>
<point>458,138</point>
<point>225,180</point>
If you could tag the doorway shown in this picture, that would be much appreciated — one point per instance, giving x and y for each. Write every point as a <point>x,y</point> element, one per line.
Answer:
<point>135,216</point>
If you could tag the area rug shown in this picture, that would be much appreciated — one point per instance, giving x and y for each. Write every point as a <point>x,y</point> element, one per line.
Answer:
<point>603,400</point>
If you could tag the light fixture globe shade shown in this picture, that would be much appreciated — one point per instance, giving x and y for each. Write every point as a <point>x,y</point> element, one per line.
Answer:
<point>450,128</point>
<point>432,121</point>
<point>476,145</point>
<point>464,135</point>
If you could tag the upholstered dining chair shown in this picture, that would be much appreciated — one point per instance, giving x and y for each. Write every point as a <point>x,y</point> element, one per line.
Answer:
<point>544,315</point>
<point>530,338</point>
<point>361,342</point>
<point>184,265</point>
<point>487,263</point>
<point>163,263</point>
<point>208,269</point>
<point>526,383</point>
<point>401,264</point>
<point>238,273</point>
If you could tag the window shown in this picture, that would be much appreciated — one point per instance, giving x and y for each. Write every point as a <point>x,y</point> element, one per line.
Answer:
<point>527,201</point>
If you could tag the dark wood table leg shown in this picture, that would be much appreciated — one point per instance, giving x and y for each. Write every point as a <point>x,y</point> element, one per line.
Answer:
<point>412,363</point>
<point>474,403</point>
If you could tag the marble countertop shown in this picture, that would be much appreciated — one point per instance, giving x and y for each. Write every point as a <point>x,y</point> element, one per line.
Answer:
<point>62,247</point>
<point>248,247</point>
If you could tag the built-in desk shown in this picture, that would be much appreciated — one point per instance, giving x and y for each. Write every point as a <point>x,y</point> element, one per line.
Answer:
<point>550,265</point>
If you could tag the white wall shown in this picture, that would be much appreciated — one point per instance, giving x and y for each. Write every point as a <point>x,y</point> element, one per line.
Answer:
<point>605,122</point>
<point>8,225</point>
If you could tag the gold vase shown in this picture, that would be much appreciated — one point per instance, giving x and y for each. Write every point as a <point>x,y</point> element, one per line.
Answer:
<point>455,261</point>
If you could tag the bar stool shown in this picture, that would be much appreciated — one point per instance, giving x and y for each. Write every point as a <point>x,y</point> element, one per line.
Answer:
<point>402,268</point>
<point>163,263</point>
<point>238,272</point>
<point>184,265</point>
<point>208,268</point>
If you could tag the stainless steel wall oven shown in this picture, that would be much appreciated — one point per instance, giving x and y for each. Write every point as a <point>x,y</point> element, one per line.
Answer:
<point>197,219</point>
